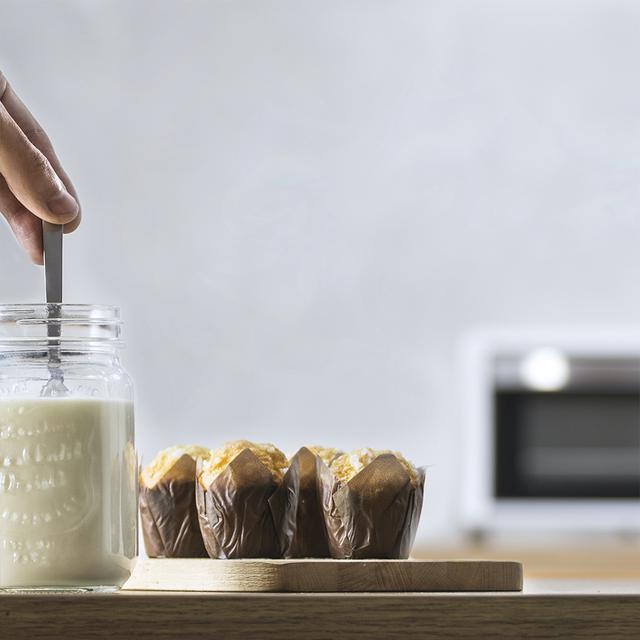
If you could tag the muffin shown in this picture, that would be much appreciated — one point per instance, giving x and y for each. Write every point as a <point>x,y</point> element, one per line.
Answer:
<point>297,507</point>
<point>168,512</point>
<point>371,502</point>
<point>233,488</point>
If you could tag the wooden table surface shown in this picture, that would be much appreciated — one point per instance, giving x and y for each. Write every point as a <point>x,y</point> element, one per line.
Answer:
<point>545,609</point>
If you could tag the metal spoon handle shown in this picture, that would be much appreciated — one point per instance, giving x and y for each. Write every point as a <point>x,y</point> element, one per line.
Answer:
<point>52,243</point>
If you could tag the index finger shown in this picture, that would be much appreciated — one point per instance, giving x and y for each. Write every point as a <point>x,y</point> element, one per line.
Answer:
<point>39,139</point>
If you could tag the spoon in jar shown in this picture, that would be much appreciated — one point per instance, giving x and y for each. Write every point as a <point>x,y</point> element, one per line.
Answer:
<point>52,244</point>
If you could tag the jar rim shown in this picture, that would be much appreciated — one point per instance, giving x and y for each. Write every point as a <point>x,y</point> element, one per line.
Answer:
<point>29,324</point>
<point>13,311</point>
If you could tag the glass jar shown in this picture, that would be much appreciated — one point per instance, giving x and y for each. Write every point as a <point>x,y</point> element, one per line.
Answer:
<point>68,467</point>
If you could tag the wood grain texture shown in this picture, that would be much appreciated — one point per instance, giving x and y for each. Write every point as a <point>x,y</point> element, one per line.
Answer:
<point>387,616</point>
<point>580,559</point>
<point>316,576</point>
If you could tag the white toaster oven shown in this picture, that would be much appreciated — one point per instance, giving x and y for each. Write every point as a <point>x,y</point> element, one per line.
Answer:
<point>551,430</point>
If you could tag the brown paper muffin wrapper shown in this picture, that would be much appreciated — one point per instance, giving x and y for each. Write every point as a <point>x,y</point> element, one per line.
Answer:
<point>297,509</point>
<point>168,514</point>
<point>375,514</point>
<point>234,514</point>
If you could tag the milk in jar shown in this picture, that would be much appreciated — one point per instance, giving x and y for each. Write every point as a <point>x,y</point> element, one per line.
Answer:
<point>68,470</point>
<point>67,489</point>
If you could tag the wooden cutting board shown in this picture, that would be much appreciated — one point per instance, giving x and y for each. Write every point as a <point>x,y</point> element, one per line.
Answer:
<point>315,576</point>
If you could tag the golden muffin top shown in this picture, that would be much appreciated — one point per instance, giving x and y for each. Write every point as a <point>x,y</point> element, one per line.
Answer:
<point>162,463</point>
<point>327,454</point>
<point>350,464</point>
<point>219,459</point>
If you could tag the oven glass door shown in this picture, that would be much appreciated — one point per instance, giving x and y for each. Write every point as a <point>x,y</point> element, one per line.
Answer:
<point>567,444</point>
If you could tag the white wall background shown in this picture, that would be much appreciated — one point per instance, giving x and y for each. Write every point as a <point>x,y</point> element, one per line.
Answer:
<point>300,206</point>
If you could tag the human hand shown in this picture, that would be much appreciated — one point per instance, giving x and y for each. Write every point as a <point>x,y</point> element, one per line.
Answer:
<point>33,184</point>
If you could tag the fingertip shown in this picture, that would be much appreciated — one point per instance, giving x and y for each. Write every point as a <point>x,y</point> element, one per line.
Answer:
<point>28,231</point>
<point>70,227</point>
<point>64,207</point>
<point>34,250</point>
